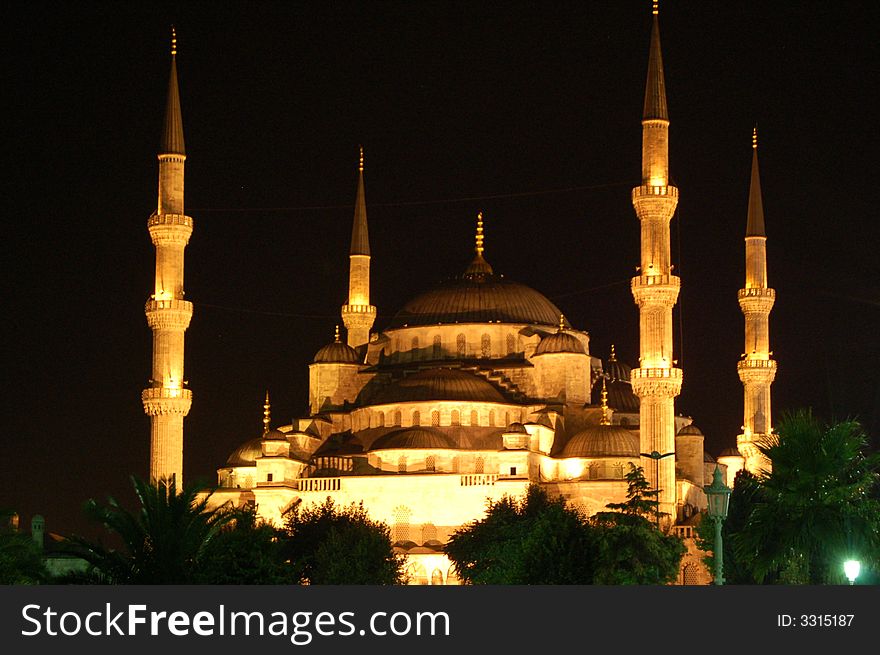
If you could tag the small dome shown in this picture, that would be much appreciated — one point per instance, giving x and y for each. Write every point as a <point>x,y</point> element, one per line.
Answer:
<point>516,427</point>
<point>690,430</point>
<point>707,457</point>
<point>560,342</point>
<point>439,384</point>
<point>602,441</point>
<point>414,437</point>
<point>337,353</point>
<point>246,454</point>
<point>730,452</point>
<point>275,435</point>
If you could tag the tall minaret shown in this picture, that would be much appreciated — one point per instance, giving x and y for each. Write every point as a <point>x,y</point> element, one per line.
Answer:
<point>166,401</point>
<point>358,314</point>
<point>656,382</point>
<point>757,369</point>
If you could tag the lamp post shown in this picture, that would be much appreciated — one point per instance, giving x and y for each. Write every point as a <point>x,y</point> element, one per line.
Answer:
<point>656,456</point>
<point>718,496</point>
<point>851,568</point>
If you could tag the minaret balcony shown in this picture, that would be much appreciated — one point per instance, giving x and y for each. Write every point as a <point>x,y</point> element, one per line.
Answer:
<point>756,371</point>
<point>662,382</point>
<point>168,314</point>
<point>655,290</point>
<point>166,400</point>
<point>355,316</point>
<point>170,229</point>
<point>757,300</point>
<point>655,203</point>
<point>646,190</point>
<point>757,292</point>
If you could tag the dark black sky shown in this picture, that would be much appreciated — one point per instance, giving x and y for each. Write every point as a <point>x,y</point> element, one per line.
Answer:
<point>529,112</point>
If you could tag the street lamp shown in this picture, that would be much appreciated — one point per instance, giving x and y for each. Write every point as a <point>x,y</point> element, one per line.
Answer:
<point>656,456</point>
<point>718,496</point>
<point>851,568</point>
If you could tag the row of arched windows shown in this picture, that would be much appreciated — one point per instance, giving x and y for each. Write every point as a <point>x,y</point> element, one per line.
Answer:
<point>461,350</point>
<point>403,464</point>
<point>394,418</point>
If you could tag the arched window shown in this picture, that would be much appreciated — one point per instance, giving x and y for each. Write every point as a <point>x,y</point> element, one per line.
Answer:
<point>437,350</point>
<point>400,531</point>
<point>429,532</point>
<point>455,464</point>
<point>492,418</point>
<point>475,418</point>
<point>401,464</point>
<point>437,577</point>
<point>430,463</point>
<point>397,418</point>
<point>690,575</point>
<point>435,418</point>
<point>456,417</point>
<point>485,346</point>
<point>461,345</point>
<point>511,344</point>
<point>416,418</point>
<point>381,419</point>
<point>414,347</point>
<point>479,465</point>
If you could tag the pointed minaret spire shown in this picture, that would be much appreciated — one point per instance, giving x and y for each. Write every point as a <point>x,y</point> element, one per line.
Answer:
<point>172,132</point>
<point>755,223</point>
<point>267,414</point>
<point>166,401</point>
<point>756,369</point>
<point>336,335</point>
<point>479,268</point>
<point>655,289</point>
<point>358,314</point>
<point>479,238</point>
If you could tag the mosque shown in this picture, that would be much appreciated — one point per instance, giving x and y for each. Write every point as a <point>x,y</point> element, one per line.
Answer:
<point>476,388</point>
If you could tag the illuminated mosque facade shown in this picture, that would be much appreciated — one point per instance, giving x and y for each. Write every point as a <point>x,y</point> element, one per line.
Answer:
<point>476,388</point>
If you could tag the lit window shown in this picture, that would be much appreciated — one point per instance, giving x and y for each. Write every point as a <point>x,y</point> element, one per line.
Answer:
<point>461,345</point>
<point>435,418</point>
<point>485,346</point>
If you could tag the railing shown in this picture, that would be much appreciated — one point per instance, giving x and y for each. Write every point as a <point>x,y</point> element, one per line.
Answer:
<point>646,190</point>
<point>320,484</point>
<point>172,303</point>
<point>478,479</point>
<point>757,292</point>
<point>154,393</point>
<point>656,373</point>
<point>170,219</point>
<point>756,363</point>
<point>683,531</point>
<point>656,280</point>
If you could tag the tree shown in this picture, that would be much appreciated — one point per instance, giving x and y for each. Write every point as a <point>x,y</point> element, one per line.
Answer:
<point>244,551</point>
<point>630,549</point>
<point>331,545</point>
<point>537,540</point>
<point>21,559</point>
<point>162,543</point>
<point>817,507</point>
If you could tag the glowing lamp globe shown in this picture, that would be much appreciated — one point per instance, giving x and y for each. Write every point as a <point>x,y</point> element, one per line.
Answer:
<point>851,568</point>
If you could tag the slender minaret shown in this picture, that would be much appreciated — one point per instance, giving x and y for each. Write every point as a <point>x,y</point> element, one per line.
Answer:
<point>756,369</point>
<point>166,401</point>
<point>656,382</point>
<point>358,314</point>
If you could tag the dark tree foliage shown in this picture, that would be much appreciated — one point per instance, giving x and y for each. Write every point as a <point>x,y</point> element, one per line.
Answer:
<point>21,560</point>
<point>327,544</point>
<point>817,507</point>
<point>163,542</point>
<point>537,540</point>
<point>244,551</point>
<point>631,550</point>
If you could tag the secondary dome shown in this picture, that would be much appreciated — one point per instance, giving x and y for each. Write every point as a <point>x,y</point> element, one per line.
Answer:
<point>439,384</point>
<point>337,352</point>
<point>414,437</point>
<point>690,429</point>
<point>246,454</point>
<point>560,342</point>
<point>602,441</point>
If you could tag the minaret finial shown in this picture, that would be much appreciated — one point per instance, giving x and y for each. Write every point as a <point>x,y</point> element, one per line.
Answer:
<point>605,420</point>
<point>173,41</point>
<point>561,322</point>
<point>267,414</point>
<point>755,137</point>
<point>655,7</point>
<point>479,247</point>
<point>336,336</point>
<point>613,356</point>
<point>361,161</point>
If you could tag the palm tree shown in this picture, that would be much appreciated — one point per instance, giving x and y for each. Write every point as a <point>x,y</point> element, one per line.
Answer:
<point>818,505</point>
<point>162,542</point>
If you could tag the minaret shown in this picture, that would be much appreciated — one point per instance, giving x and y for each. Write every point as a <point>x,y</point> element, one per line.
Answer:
<point>656,382</point>
<point>359,315</point>
<point>166,401</point>
<point>757,369</point>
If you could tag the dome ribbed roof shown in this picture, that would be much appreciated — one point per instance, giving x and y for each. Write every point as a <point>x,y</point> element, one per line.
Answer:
<point>730,452</point>
<point>602,441</point>
<point>246,453</point>
<point>516,427</point>
<point>690,429</point>
<point>479,298</point>
<point>439,384</point>
<point>275,435</point>
<point>560,342</point>
<point>414,437</point>
<point>337,353</point>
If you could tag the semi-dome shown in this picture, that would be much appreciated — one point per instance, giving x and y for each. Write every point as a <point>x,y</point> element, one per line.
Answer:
<point>246,454</point>
<point>414,437</point>
<point>439,384</point>
<point>337,353</point>
<point>602,441</point>
<point>560,342</point>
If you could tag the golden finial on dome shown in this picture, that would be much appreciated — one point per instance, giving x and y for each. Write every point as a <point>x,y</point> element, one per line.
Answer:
<point>604,420</point>
<point>479,247</point>
<point>267,413</point>
<point>561,322</point>
<point>613,356</point>
<point>173,41</point>
<point>755,137</point>
<point>655,7</point>
<point>336,336</point>
<point>361,161</point>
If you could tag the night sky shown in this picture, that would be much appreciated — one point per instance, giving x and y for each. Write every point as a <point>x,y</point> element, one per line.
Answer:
<point>530,113</point>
